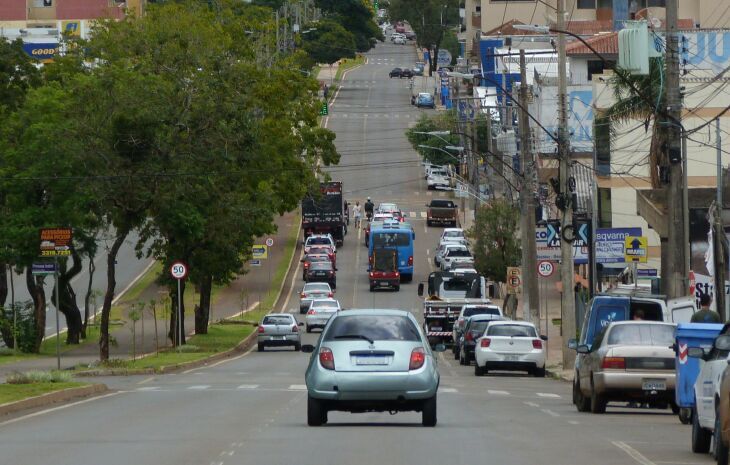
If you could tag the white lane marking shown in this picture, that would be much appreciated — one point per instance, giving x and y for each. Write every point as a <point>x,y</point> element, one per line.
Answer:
<point>548,395</point>
<point>200,387</point>
<point>297,387</point>
<point>54,409</point>
<point>448,390</point>
<point>550,412</point>
<point>412,214</point>
<point>423,215</point>
<point>531,404</point>
<point>149,388</point>
<point>633,453</point>
<point>248,386</point>
<point>492,392</point>
<point>573,422</point>
<point>144,381</point>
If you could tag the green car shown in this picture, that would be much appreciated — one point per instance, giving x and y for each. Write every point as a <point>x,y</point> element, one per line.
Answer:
<point>372,361</point>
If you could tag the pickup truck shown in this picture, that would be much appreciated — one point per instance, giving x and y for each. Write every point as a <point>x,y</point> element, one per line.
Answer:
<point>442,211</point>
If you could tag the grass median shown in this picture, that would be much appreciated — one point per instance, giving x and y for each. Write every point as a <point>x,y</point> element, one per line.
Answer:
<point>16,392</point>
<point>347,64</point>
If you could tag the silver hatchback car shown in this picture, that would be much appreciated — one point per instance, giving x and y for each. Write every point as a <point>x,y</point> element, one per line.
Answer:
<point>372,361</point>
<point>279,329</point>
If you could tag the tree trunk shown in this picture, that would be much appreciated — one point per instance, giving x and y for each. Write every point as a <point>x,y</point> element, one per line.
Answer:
<point>111,260</point>
<point>202,311</point>
<point>87,298</point>
<point>67,295</point>
<point>176,333</point>
<point>38,294</point>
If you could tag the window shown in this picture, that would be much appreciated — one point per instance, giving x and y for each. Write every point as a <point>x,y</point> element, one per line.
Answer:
<point>375,327</point>
<point>512,331</point>
<point>605,216</point>
<point>586,4</point>
<point>278,320</point>
<point>602,135</point>
<point>598,66</point>
<point>481,311</point>
<point>42,3</point>
<point>391,239</point>
<point>651,335</point>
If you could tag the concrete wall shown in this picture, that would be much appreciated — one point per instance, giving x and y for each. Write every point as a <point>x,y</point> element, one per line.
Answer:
<point>13,10</point>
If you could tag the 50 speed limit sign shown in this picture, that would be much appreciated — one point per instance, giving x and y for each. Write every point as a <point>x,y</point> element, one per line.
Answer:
<point>179,270</point>
<point>545,269</point>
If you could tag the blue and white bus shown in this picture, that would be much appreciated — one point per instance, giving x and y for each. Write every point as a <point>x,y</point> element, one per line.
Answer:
<point>395,235</point>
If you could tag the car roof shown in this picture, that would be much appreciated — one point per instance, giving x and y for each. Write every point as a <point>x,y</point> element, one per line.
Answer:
<point>374,311</point>
<point>513,322</point>
<point>641,322</point>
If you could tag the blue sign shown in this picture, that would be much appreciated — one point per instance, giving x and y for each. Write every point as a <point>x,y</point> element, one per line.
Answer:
<point>610,243</point>
<point>43,268</point>
<point>553,239</point>
<point>649,273</point>
<point>42,51</point>
<point>583,232</point>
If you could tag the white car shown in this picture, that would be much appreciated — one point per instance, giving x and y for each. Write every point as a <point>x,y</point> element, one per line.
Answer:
<point>443,250</point>
<point>437,181</point>
<point>454,240</point>
<point>437,170</point>
<point>510,345</point>
<point>313,291</point>
<point>399,41</point>
<point>319,313</point>
<point>388,208</point>
<point>707,390</point>
<point>452,233</point>
<point>319,239</point>
<point>455,254</point>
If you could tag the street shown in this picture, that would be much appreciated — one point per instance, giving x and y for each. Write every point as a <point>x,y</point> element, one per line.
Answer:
<point>252,409</point>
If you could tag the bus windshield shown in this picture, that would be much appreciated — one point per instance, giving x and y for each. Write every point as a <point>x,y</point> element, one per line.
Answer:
<point>391,239</point>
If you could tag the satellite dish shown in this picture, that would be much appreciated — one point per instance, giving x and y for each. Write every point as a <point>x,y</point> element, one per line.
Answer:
<point>656,23</point>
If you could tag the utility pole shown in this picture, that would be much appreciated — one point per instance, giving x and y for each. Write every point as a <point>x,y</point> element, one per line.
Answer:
<point>568,318</point>
<point>530,300</point>
<point>719,233</point>
<point>677,280</point>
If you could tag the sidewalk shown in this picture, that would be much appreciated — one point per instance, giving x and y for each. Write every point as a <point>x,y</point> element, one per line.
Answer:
<point>241,294</point>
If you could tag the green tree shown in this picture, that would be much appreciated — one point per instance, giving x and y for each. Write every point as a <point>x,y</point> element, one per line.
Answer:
<point>356,17</point>
<point>496,243</point>
<point>329,42</point>
<point>438,122</point>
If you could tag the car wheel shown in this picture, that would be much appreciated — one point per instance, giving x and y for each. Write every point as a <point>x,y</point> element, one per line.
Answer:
<point>462,359</point>
<point>397,288</point>
<point>316,412</point>
<point>297,347</point>
<point>721,450</point>
<point>261,347</point>
<point>309,329</point>
<point>456,352</point>
<point>582,403</point>
<point>428,222</point>
<point>428,414</point>
<point>539,372</point>
<point>598,402</point>
<point>701,437</point>
<point>372,288</point>
<point>685,415</point>
<point>334,285</point>
<point>479,371</point>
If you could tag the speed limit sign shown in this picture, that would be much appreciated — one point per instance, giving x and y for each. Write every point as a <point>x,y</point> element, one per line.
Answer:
<point>179,270</point>
<point>545,269</point>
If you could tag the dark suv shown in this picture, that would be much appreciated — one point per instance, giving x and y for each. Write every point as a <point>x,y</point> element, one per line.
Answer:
<point>475,328</point>
<point>406,73</point>
<point>395,72</point>
<point>322,272</point>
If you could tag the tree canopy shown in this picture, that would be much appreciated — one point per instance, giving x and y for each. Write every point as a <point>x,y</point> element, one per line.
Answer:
<point>496,243</point>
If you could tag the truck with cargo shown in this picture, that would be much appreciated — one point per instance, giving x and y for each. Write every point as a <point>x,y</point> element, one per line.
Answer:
<point>443,212</point>
<point>324,212</point>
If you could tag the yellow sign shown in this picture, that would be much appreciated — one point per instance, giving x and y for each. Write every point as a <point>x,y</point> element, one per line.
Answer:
<point>71,28</point>
<point>260,252</point>
<point>636,249</point>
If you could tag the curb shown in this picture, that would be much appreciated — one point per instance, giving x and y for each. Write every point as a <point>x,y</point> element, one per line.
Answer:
<point>558,375</point>
<point>52,398</point>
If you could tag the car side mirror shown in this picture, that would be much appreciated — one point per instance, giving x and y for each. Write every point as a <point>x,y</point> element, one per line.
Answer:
<point>696,352</point>
<point>307,348</point>
<point>583,349</point>
<point>543,337</point>
<point>439,348</point>
<point>420,289</point>
<point>301,323</point>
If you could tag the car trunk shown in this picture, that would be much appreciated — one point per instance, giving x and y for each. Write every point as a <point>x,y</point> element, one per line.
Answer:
<point>645,358</point>
<point>278,329</point>
<point>511,344</point>
<point>354,355</point>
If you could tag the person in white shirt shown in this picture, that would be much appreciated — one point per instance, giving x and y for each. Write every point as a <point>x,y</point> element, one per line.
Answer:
<point>357,213</point>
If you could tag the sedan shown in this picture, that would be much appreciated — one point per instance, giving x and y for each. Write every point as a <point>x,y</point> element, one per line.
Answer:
<point>388,208</point>
<point>319,313</point>
<point>371,361</point>
<point>279,329</point>
<point>628,361</point>
<point>322,272</point>
<point>395,72</point>
<point>437,181</point>
<point>405,72</point>
<point>313,291</point>
<point>323,250</point>
<point>399,40</point>
<point>475,327</point>
<point>425,100</point>
<point>312,258</point>
<point>510,345</point>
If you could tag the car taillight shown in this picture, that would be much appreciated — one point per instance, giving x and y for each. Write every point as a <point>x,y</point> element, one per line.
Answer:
<point>485,342</point>
<point>327,358</point>
<point>372,274</point>
<point>418,358</point>
<point>410,260</point>
<point>302,295</point>
<point>306,265</point>
<point>331,273</point>
<point>261,329</point>
<point>397,274</point>
<point>311,312</point>
<point>330,294</point>
<point>616,363</point>
<point>295,328</point>
<point>331,256</point>
<point>469,336</point>
<point>536,344</point>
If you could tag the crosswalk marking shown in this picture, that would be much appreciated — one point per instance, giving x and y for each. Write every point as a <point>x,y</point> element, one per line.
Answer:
<point>548,395</point>
<point>248,386</point>
<point>297,387</point>
<point>448,390</point>
<point>497,393</point>
<point>412,214</point>
<point>200,387</point>
<point>423,215</point>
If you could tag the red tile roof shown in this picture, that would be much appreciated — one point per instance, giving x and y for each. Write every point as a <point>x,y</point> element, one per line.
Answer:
<point>605,44</point>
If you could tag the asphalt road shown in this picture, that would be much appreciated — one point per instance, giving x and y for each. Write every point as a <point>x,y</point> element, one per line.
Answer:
<point>252,409</point>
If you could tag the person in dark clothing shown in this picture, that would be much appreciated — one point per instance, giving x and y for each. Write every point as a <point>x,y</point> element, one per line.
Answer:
<point>705,315</point>
<point>369,207</point>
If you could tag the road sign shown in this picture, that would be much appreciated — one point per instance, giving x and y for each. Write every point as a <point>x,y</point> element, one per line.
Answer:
<point>255,262</point>
<point>636,249</point>
<point>325,110</point>
<point>444,57</point>
<point>179,270</point>
<point>43,268</point>
<point>56,242</point>
<point>260,252</point>
<point>545,269</point>
<point>270,242</point>
<point>647,273</point>
<point>583,232</point>
<point>514,279</point>
<point>609,243</point>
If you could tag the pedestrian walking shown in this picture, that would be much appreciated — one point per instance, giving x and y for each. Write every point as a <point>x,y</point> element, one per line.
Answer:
<point>705,315</point>
<point>357,213</point>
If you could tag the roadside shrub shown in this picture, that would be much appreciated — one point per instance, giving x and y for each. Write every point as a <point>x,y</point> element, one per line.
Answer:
<point>114,363</point>
<point>187,348</point>
<point>25,330</point>
<point>31,377</point>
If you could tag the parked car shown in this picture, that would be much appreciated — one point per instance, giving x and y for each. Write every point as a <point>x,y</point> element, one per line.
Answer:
<point>313,291</point>
<point>628,361</point>
<point>467,312</point>
<point>319,239</point>
<point>437,181</point>
<point>510,345</point>
<point>395,72</point>
<point>475,328</point>
<point>410,35</point>
<point>707,391</point>
<point>425,100</point>
<point>443,249</point>
<point>279,329</point>
<point>311,258</point>
<point>442,211</point>
<point>319,313</point>
<point>371,361</point>
<point>453,254</point>
<point>452,233</point>
<point>406,73</point>
<point>322,272</point>
<point>417,71</point>
<point>399,40</point>
<point>722,439</point>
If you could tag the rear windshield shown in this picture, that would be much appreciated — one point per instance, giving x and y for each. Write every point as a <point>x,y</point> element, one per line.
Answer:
<point>481,311</point>
<point>478,326</point>
<point>317,287</point>
<point>453,234</point>
<point>324,304</point>
<point>277,320</point>
<point>512,330</point>
<point>322,265</point>
<point>318,240</point>
<point>457,285</point>
<point>391,239</point>
<point>458,253</point>
<point>651,335</point>
<point>442,204</point>
<point>317,258</point>
<point>375,327</point>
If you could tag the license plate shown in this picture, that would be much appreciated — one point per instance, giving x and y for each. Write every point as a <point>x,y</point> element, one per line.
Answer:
<point>371,360</point>
<point>277,338</point>
<point>320,273</point>
<point>654,385</point>
<point>436,328</point>
<point>383,283</point>
<point>511,358</point>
